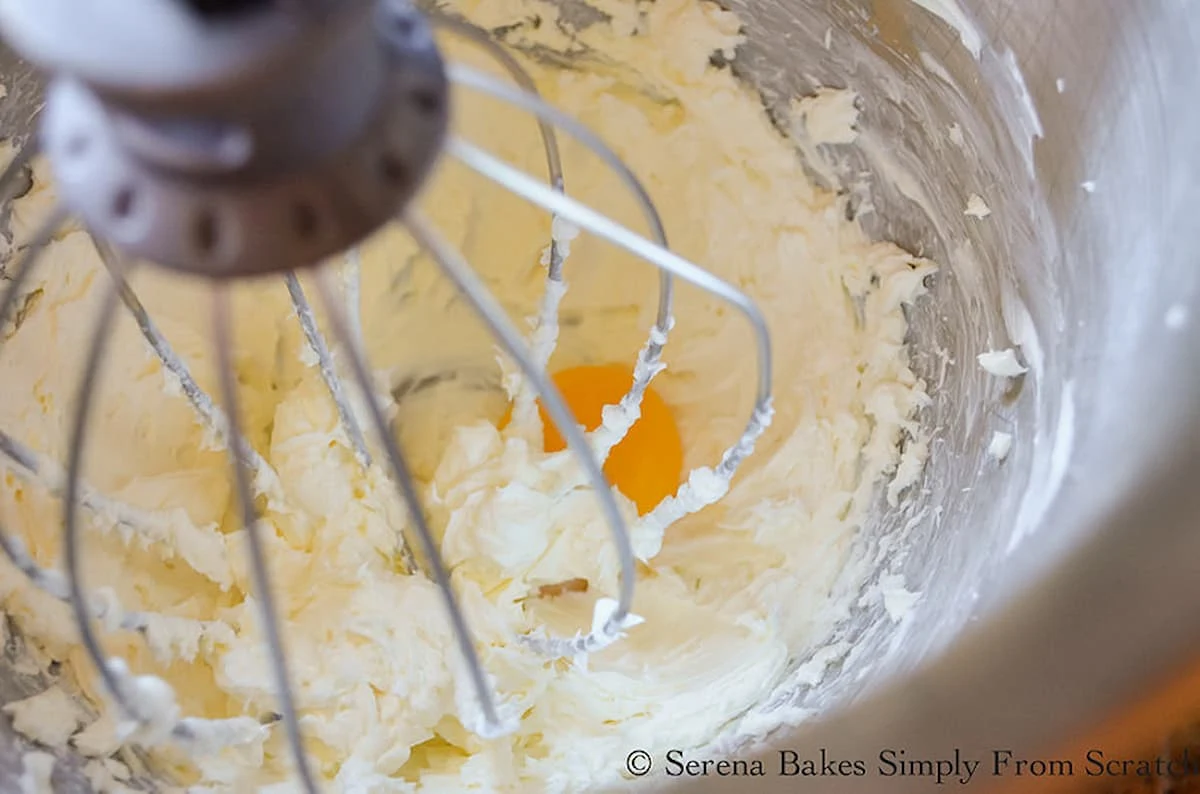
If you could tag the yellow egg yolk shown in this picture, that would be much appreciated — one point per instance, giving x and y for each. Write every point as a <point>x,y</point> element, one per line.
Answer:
<point>647,465</point>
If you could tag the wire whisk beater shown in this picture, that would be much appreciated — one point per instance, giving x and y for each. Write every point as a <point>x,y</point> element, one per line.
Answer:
<point>245,138</point>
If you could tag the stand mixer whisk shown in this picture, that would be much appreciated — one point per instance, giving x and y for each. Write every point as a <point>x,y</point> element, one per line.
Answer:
<point>232,139</point>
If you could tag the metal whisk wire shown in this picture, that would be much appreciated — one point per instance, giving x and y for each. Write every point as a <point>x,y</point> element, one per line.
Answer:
<point>202,403</point>
<point>545,333</point>
<point>649,361</point>
<point>530,189</point>
<point>617,616</point>
<point>704,486</point>
<point>316,341</point>
<point>49,581</point>
<point>222,337</point>
<point>98,342</point>
<point>402,475</point>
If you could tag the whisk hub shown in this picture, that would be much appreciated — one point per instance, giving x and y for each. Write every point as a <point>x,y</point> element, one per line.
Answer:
<point>323,135</point>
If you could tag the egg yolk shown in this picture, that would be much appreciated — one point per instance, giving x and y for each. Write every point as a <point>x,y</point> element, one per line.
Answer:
<point>647,465</point>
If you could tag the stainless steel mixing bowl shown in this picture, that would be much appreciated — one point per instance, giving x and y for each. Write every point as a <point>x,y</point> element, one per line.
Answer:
<point>1057,590</point>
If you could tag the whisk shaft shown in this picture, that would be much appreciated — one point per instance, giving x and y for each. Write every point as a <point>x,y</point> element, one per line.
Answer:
<point>99,339</point>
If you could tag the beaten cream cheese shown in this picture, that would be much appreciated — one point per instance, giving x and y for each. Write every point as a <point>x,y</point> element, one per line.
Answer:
<point>729,596</point>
